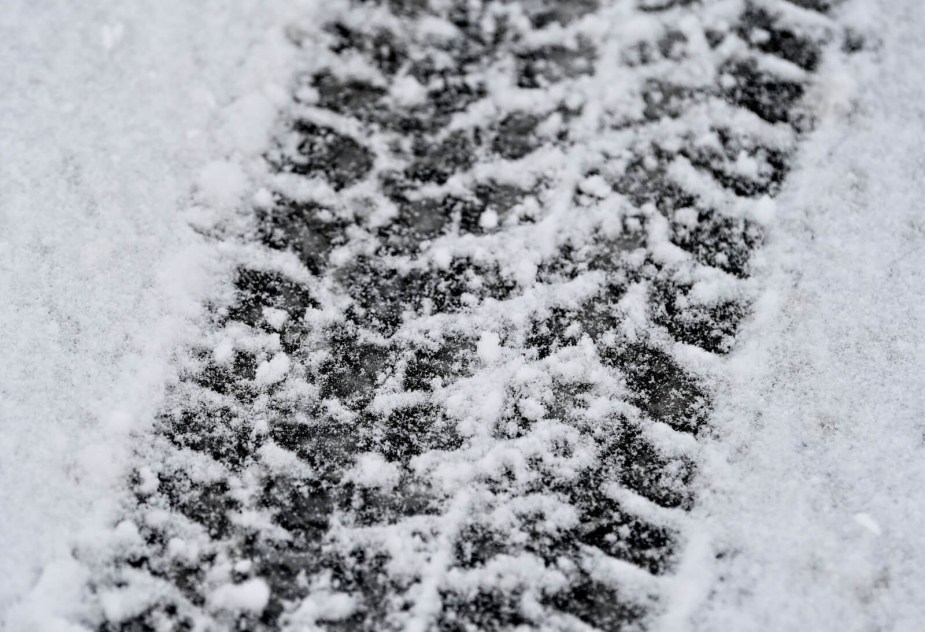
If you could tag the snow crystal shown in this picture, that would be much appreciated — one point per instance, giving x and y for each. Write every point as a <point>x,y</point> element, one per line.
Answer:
<point>181,549</point>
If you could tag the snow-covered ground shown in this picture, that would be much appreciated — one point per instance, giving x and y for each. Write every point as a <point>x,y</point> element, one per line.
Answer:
<point>107,113</point>
<point>110,116</point>
<point>817,482</point>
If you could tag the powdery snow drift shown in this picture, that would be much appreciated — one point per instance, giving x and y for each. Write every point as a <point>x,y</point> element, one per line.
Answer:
<point>107,116</point>
<point>815,490</point>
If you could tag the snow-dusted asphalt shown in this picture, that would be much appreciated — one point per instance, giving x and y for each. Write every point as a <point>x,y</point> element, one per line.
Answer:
<point>123,128</point>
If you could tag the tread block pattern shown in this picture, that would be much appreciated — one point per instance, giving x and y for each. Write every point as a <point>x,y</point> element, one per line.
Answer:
<point>470,409</point>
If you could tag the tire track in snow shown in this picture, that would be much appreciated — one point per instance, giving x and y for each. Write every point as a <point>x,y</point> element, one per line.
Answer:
<point>460,379</point>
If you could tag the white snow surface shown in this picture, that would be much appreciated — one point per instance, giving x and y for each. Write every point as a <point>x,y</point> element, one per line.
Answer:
<point>251,595</point>
<point>816,480</point>
<point>111,114</point>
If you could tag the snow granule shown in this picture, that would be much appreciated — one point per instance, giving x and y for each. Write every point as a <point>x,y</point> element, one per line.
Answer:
<point>372,470</point>
<point>406,90</point>
<point>489,347</point>
<point>263,198</point>
<point>595,186</point>
<point>121,604</point>
<point>275,317</point>
<point>224,352</point>
<point>442,257</point>
<point>273,370</point>
<point>251,596</point>
<point>148,481</point>
<point>531,409</point>
<point>488,219</point>
<point>322,606</point>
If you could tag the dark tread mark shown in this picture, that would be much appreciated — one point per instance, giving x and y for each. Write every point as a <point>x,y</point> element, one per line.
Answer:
<point>662,389</point>
<point>306,228</point>
<point>822,6</point>
<point>388,366</point>
<point>771,98</point>
<point>321,151</point>
<point>258,289</point>
<point>760,27</point>
<point>722,242</point>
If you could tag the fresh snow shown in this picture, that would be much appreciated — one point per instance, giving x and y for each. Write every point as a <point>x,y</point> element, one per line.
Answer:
<point>123,128</point>
<point>111,116</point>
<point>251,595</point>
<point>815,483</point>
